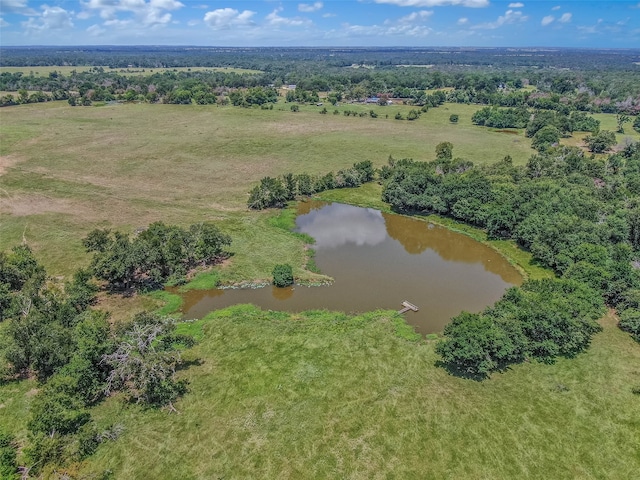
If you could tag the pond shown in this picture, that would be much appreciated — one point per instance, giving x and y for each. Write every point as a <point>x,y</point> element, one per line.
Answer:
<point>379,260</point>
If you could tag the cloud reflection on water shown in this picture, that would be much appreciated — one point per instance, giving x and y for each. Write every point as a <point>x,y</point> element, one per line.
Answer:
<point>337,224</point>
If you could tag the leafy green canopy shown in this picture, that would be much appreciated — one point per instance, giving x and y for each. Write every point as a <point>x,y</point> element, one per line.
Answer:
<point>276,192</point>
<point>282,275</point>
<point>159,254</point>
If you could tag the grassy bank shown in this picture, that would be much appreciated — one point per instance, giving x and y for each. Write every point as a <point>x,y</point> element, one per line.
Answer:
<point>271,398</point>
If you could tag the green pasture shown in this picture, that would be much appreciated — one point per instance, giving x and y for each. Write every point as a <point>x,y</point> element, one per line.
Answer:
<point>322,395</point>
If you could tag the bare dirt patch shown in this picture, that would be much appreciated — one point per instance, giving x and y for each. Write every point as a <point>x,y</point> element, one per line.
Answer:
<point>6,162</point>
<point>25,205</point>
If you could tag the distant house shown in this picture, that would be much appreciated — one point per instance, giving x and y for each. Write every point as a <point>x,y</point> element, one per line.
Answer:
<point>372,100</point>
<point>291,87</point>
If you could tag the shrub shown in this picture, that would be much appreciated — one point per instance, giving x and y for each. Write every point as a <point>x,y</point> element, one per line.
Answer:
<point>8,455</point>
<point>453,118</point>
<point>282,275</point>
<point>630,322</point>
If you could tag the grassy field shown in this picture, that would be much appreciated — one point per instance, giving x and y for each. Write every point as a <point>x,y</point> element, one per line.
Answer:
<point>270,397</point>
<point>68,69</point>
<point>66,170</point>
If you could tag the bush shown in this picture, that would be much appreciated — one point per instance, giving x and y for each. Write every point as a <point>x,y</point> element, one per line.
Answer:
<point>453,118</point>
<point>630,322</point>
<point>601,141</point>
<point>282,275</point>
<point>546,137</point>
<point>8,455</point>
<point>477,345</point>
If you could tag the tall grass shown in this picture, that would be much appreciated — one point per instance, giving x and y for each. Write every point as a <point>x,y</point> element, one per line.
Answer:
<point>321,395</point>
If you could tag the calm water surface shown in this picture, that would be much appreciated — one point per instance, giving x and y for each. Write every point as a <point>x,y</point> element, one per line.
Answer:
<point>378,260</point>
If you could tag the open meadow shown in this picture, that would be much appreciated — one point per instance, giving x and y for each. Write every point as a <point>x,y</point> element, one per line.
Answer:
<point>270,397</point>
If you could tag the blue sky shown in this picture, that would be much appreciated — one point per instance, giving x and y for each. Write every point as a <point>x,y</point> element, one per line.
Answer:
<point>610,24</point>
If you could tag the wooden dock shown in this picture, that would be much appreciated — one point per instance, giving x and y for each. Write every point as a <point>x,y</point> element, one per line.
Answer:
<point>408,306</point>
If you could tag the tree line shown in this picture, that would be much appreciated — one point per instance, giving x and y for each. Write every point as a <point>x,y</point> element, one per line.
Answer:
<point>275,192</point>
<point>589,88</point>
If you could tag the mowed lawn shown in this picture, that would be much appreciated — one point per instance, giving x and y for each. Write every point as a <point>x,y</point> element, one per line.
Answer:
<point>321,395</point>
<point>66,170</point>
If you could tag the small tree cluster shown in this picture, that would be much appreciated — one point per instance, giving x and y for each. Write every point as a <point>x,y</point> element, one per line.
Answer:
<point>253,96</point>
<point>157,255</point>
<point>541,320</point>
<point>276,192</point>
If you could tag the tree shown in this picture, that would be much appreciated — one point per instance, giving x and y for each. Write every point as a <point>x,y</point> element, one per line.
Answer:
<point>270,193</point>
<point>600,142</point>
<point>546,137</point>
<point>621,119</point>
<point>630,322</point>
<point>413,115</point>
<point>636,123</point>
<point>476,345</point>
<point>444,151</point>
<point>145,361</point>
<point>57,409</point>
<point>282,275</point>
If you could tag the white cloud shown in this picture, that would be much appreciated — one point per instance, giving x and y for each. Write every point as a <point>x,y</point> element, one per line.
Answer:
<point>516,5</point>
<point>310,7</point>
<point>416,16</point>
<point>557,7</point>
<point>591,29</point>
<point>547,20</point>
<point>565,18</point>
<point>328,15</point>
<point>224,18</point>
<point>276,20</point>
<point>95,30</point>
<point>146,13</point>
<point>436,3</point>
<point>379,31</point>
<point>16,6</point>
<point>4,23</point>
<point>51,18</point>
<point>463,21</point>
<point>509,17</point>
